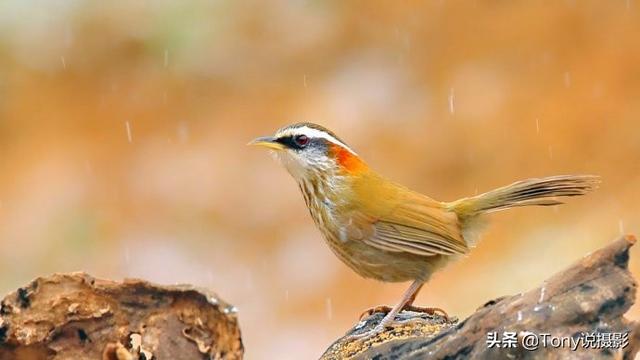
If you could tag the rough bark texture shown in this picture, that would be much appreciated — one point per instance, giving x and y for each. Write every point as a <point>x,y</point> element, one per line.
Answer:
<point>590,296</point>
<point>74,316</point>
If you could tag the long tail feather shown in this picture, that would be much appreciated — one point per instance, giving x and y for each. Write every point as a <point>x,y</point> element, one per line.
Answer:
<point>538,191</point>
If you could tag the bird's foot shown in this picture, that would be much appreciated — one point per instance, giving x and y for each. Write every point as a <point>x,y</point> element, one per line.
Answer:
<point>386,309</point>
<point>367,334</point>
<point>428,310</point>
<point>376,309</point>
<point>385,323</point>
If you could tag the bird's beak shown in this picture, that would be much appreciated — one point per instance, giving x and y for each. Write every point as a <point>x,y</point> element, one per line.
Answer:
<point>267,141</point>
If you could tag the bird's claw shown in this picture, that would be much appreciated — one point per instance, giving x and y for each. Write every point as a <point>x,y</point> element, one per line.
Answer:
<point>378,329</point>
<point>376,309</point>
<point>386,309</point>
<point>428,310</point>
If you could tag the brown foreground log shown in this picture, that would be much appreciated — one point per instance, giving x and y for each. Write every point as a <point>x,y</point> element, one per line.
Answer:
<point>74,316</point>
<point>585,302</point>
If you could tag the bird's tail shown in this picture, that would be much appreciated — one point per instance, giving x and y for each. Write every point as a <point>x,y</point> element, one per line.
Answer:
<point>542,191</point>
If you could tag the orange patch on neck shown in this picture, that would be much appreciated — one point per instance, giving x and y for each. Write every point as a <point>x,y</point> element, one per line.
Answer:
<point>347,159</point>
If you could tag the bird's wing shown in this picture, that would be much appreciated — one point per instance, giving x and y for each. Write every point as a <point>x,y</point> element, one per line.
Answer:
<point>417,230</point>
<point>405,221</point>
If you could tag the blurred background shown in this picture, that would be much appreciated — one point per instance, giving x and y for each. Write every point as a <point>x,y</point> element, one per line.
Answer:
<point>123,128</point>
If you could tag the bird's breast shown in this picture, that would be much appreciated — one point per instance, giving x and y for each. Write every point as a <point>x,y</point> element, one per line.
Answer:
<point>321,205</point>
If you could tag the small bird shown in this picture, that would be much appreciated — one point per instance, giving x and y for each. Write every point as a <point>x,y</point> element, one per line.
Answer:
<point>383,230</point>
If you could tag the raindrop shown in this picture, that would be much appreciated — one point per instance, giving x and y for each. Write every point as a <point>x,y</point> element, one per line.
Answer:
<point>87,167</point>
<point>567,79</point>
<point>407,42</point>
<point>183,132</point>
<point>64,62</point>
<point>329,307</point>
<point>537,126</point>
<point>286,295</point>
<point>304,80</point>
<point>621,226</point>
<point>452,101</point>
<point>541,298</point>
<point>519,315</point>
<point>129,137</point>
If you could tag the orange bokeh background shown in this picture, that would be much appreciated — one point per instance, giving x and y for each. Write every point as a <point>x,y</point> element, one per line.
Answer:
<point>123,128</point>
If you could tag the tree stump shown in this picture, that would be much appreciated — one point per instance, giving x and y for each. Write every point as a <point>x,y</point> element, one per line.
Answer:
<point>587,299</point>
<point>74,316</point>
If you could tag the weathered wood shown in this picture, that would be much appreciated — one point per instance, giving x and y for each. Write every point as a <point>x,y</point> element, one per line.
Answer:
<point>589,297</point>
<point>74,316</point>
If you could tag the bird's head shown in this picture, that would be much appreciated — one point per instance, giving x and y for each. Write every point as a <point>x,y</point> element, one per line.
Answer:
<point>307,149</point>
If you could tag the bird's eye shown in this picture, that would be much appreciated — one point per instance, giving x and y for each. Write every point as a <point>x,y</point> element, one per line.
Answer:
<point>302,140</point>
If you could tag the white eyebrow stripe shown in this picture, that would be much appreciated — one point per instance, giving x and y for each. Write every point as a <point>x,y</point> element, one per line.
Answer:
<point>315,133</point>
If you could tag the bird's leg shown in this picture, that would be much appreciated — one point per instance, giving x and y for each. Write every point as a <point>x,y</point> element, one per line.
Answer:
<point>408,297</point>
<point>427,310</point>
<point>407,306</point>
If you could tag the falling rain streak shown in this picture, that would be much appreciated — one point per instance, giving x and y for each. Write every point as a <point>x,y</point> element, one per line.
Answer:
<point>452,108</point>
<point>129,136</point>
<point>567,79</point>
<point>329,307</point>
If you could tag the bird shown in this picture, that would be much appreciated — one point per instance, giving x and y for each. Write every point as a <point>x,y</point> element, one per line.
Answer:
<point>383,230</point>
